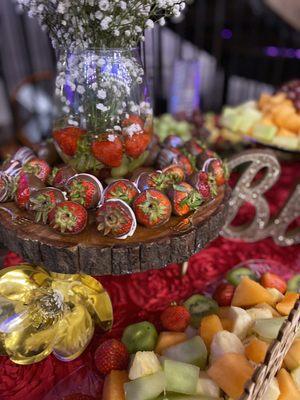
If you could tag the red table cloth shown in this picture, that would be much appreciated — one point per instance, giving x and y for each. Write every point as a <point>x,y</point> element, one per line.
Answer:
<point>142,296</point>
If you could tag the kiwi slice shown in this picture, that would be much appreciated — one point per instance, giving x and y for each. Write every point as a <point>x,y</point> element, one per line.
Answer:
<point>235,275</point>
<point>199,306</point>
<point>293,284</point>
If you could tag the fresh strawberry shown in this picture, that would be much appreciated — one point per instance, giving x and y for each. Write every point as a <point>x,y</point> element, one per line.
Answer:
<point>204,183</point>
<point>68,217</point>
<point>136,142</point>
<point>116,219</point>
<point>152,208</point>
<point>122,189</point>
<point>175,318</point>
<point>108,149</point>
<point>133,119</point>
<point>39,168</point>
<point>85,189</point>
<point>269,280</point>
<point>224,294</point>
<point>60,176</point>
<point>174,174</point>
<point>25,185</point>
<point>42,201</point>
<point>111,355</point>
<point>67,139</point>
<point>184,199</point>
<point>152,180</point>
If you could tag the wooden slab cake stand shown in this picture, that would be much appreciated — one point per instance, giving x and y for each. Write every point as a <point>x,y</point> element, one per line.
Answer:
<point>92,253</point>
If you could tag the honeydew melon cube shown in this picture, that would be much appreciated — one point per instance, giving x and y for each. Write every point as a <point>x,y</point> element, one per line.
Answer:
<point>146,388</point>
<point>264,132</point>
<point>268,328</point>
<point>273,391</point>
<point>225,342</point>
<point>206,386</point>
<point>242,321</point>
<point>291,143</point>
<point>249,117</point>
<point>193,351</point>
<point>232,120</point>
<point>181,377</point>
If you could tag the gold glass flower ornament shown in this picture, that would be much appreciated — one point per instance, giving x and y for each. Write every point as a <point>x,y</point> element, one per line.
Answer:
<point>43,312</point>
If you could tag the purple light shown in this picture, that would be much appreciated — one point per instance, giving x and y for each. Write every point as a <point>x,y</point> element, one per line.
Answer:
<point>272,51</point>
<point>290,53</point>
<point>226,34</point>
<point>297,53</point>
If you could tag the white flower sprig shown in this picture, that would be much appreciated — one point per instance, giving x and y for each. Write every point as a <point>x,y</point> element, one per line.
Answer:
<point>99,23</point>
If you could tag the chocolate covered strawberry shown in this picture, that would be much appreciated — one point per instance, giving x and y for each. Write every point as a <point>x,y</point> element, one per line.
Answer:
<point>186,163</point>
<point>68,217</point>
<point>167,157</point>
<point>60,176</point>
<point>152,180</point>
<point>174,174</point>
<point>218,169</point>
<point>108,149</point>
<point>116,219</point>
<point>85,189</point>
<point>67,139</point>
<point>7,187</point>
<point>40,168</point>
<point>204,183</point>
<point>122,189</point>
<point>194,147</point>
<point>42,201</point>
<point>184,199</point>
<point>173,141</point>
<point>25,185</point>
<point>11,167</point>
<point>24,154</point>
<point>152,208</point>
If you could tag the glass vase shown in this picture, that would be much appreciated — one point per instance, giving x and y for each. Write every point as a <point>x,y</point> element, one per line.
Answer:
<point>104,118</point>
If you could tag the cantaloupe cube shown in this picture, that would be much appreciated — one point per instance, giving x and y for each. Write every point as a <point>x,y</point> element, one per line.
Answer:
<point>288,389</point>
<point>231,372</point>
<point>227,324</point>
<point>113,388</point>
<point>292,359</point>
<point>168,339</point>
<point>286,305</point>
<point>256,350</point>
<point>249,293</point>
<point>209,326</point>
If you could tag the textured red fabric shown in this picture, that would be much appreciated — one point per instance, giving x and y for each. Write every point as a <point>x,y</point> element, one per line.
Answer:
<point>142,296</point>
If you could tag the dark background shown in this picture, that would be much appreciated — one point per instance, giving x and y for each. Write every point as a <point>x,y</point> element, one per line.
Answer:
<point>242,48</point>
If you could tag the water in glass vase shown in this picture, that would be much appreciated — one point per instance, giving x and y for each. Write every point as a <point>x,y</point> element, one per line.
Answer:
<point>104,113</point>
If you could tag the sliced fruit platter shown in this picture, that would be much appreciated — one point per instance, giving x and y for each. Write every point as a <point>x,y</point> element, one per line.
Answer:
<point>209,346</point>
<point>73,208</point>
<point>273,120</point>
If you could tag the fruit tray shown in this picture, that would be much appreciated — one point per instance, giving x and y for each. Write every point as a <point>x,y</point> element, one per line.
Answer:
<point>95,254</point>
<point>257,387</point>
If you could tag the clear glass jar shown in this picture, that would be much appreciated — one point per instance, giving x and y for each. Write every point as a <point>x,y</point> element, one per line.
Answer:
<point>104,114</point>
